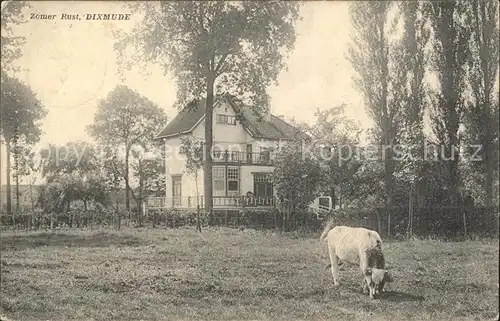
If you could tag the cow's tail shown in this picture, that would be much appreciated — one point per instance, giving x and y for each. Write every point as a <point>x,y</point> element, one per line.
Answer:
<point>328,226</point>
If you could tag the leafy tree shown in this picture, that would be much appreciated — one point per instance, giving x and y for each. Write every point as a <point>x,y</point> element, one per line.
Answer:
<point>481,116</point>
<point>23,164</point>
<point>370,56</point>
<point>153,170</point>
<point>449,57</point>
<point>149,167</point>
<point>192,149</point>
<point>72,173</point>
<point>20,114</point>
<point>78,156</point>
<point>92,189</point>
<point>215,46</point>
<point>12,15</point>
<point>339,137</point>
<point>126,119</point>
<point>112,166</point>
<point>297,177</point>
<point>366,189</point>
<point>66,188</point>
<point>411,62</point>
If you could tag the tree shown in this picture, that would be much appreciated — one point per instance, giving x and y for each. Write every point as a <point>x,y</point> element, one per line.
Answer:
<point>338,136</point>
<point>481,116</point>
<point>20,114</point>
<point>411,62</point>
<point>449,57</point>
<point>11,15</point>
<point>112,166</point>
<point>126,119</point>
<point>370,57</point>
<point>72,173</point>
<point>297,176</point>
<point>77,156</point>
<point>215,46</point>
<point>153,171</point>
<point>23,164</point>
<point>148,164</point>
<point>192,149</point>
<point>11,45</point>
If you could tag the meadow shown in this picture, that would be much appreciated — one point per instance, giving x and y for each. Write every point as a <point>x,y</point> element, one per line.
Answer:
<point>228,274</point>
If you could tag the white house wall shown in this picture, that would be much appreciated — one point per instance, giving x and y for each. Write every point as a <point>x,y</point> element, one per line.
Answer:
<point>174,165</point>
<point>246,180</point>
<point>189,186</point>
<point>228,134</point>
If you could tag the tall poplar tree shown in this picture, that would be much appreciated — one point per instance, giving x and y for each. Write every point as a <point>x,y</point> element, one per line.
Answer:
<point>449,58</point>
<point>370,56</point>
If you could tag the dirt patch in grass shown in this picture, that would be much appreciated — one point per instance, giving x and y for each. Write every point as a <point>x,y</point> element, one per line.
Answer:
<point>223,274</point>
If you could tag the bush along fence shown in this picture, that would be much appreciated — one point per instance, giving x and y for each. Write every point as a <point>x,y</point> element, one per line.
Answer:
<point>443,222</point>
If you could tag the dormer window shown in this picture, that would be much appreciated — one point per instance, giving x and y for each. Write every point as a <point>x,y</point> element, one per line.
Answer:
<point>226,119</point>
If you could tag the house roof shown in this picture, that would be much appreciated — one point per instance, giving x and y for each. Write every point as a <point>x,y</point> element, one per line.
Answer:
<point>259,127</point>
<point>185,120</point>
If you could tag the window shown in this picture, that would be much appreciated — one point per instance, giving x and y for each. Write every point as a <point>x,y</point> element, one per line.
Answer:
<point>218,178</point>
<point>217,153</point>
<point>177,190</point>
<point>263,186</point>
<point>225,119</point>
<point>265,153</point>
<point>223,181</point>
<point>233,179</point>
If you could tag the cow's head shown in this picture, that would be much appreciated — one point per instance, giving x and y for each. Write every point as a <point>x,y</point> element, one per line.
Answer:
<point>376,279</point>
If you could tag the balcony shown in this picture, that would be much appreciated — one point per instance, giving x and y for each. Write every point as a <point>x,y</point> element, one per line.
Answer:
<point>230,157</point>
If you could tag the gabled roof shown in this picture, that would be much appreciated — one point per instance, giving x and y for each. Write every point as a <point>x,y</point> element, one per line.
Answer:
<point>185,121</point>
<point>259,127</point>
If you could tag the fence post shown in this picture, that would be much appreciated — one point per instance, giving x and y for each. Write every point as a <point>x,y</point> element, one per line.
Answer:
<point>144,211</point>
<point>198,223</point>
<point>389,214</point>
<point>410,213</point>
<point>465,222</point>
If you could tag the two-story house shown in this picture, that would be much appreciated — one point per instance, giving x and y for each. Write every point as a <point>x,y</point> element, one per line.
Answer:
<point>243,148</point>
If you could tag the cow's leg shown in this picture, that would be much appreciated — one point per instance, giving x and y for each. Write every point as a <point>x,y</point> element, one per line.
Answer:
<point>334,267</point>
<point>367,275</point>
<point>365,286</point>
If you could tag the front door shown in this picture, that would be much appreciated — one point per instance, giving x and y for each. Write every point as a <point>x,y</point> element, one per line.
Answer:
<point>177,190</point>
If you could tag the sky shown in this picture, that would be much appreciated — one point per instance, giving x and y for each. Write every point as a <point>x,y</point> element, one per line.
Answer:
<point>71,65</point>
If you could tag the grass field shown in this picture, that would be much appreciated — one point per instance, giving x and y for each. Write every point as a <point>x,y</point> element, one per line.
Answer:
<point>223,274</point>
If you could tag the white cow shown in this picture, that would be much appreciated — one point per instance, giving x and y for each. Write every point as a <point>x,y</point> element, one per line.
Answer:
<point>357,246</point>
